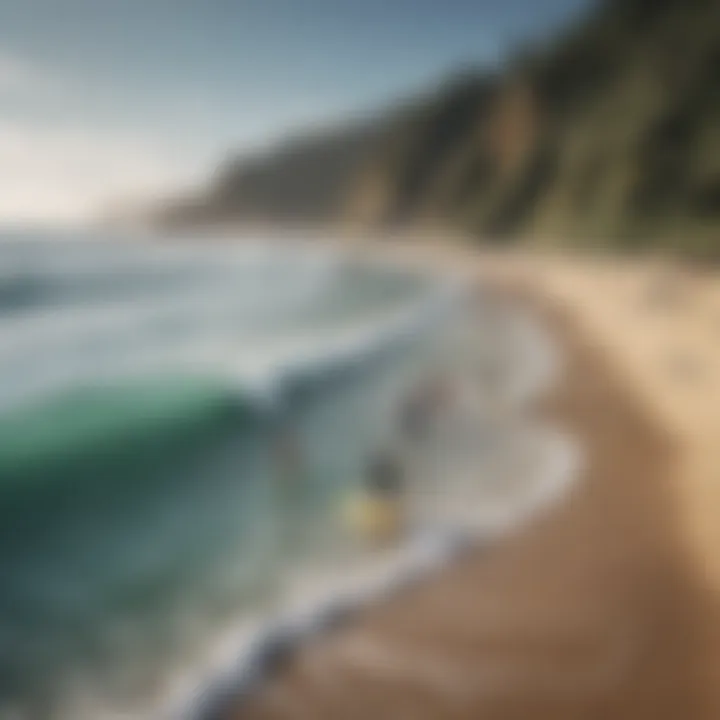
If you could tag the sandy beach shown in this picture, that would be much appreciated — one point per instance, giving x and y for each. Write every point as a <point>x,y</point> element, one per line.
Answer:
<point>606,607</point>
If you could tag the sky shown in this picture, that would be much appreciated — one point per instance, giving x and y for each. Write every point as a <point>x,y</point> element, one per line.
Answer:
<point>114,100</point>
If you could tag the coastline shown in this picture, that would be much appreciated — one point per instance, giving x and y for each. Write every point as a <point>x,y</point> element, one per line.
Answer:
<point>593,610</point>
<point>309,617</point>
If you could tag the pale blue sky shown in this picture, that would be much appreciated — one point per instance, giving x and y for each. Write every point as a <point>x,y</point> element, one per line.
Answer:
<point>121,97</point>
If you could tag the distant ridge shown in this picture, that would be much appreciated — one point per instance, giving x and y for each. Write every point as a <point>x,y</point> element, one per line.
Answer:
<point>304,179</point>
<point>609,134</point>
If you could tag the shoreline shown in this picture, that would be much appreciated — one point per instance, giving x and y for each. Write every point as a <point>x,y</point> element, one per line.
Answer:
<point>418,559</point>
<point>593,610</point>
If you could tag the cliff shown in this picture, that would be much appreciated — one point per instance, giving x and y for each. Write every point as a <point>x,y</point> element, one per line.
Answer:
<point>609,134</point>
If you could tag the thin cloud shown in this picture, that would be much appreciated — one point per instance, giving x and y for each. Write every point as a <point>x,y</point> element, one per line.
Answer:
<point>69,174</point>
<point>70,171</point>
<point>21,76</point>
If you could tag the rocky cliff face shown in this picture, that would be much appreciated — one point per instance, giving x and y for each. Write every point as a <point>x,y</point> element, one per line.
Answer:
<point>305,180</point>
<point>611,134</point>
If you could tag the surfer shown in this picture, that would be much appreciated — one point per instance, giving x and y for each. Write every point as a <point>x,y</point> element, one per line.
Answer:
<point>378,514</point>
<point>421,407</point>
<point>385,475</point>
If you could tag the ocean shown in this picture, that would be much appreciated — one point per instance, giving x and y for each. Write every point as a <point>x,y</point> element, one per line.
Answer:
<point>144,388</point>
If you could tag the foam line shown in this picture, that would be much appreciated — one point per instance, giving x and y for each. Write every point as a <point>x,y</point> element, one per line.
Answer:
<point>419,559</point>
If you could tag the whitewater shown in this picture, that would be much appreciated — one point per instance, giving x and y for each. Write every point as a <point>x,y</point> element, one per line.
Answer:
<point>143,549</point>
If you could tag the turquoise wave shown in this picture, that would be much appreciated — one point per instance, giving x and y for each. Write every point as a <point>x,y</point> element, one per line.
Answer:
<point>110,421</point>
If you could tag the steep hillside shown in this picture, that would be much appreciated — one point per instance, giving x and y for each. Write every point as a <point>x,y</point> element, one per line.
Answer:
<point>306,179</point>
<point>611,134</point>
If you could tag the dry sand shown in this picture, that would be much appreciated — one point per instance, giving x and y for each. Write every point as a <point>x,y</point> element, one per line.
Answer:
<point>606,607</point>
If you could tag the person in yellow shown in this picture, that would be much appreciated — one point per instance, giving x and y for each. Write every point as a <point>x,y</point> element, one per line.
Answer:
<point>377,515</point>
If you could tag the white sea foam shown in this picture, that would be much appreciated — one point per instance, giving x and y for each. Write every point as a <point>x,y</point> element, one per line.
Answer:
<point>252,317</point>
<point>248,317</point>
<point>466,513</point>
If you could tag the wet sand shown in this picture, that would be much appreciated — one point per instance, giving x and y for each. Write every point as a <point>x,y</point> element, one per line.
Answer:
<point>597,610</point>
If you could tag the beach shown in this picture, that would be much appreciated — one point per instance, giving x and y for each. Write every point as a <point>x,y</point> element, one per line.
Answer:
<point>604,607</point>
<point>529,586</point>
<point>153,522</point>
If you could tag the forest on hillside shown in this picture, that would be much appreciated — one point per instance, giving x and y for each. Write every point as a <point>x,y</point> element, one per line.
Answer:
<point>609,134</point>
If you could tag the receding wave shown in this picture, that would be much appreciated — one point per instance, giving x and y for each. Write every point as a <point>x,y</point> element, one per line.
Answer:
<point>140,393</point>
<point>109,422</point>
<point>142,389</point>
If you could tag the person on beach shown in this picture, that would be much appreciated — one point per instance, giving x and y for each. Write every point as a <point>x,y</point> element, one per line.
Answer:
<point>378,514</point>
<point>385,476</point>
<point>422,406</point>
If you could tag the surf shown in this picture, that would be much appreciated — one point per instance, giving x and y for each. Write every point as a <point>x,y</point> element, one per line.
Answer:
<point>141,388</point>
<point>145,553</point>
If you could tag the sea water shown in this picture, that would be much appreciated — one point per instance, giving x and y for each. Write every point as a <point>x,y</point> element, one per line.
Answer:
<point>145,526</point>
<point>142,389</point>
